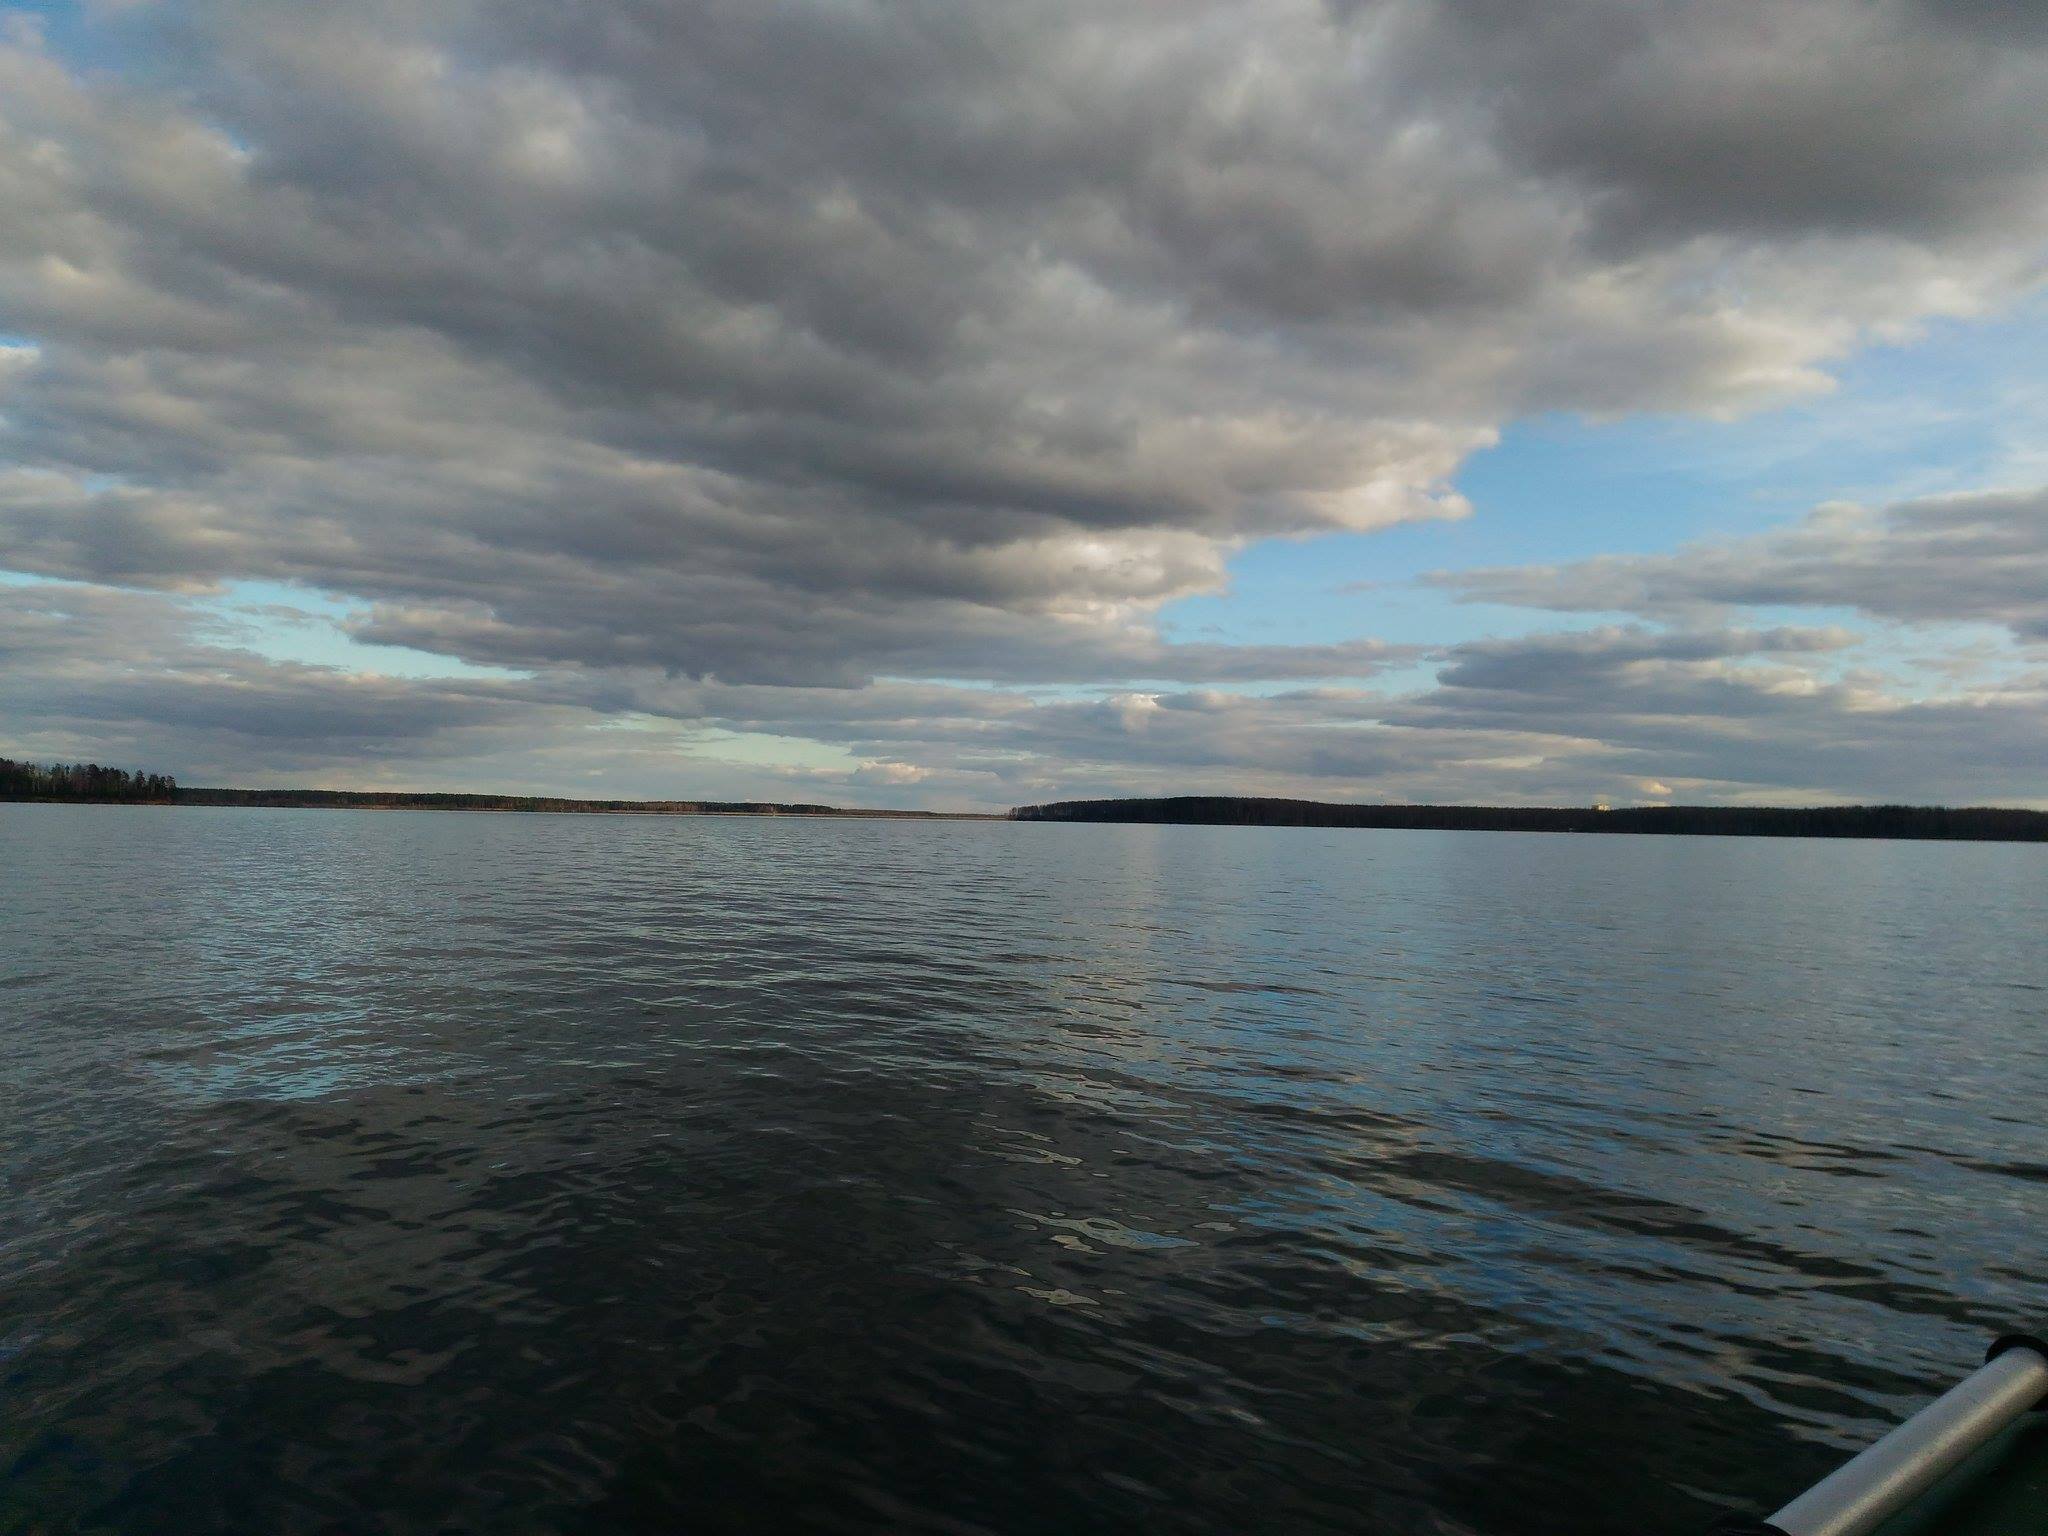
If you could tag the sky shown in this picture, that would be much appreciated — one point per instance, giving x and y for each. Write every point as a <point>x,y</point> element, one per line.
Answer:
<point>969,404</point>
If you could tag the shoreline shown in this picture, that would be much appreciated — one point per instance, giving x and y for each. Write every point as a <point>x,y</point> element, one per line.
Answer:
<point>1900,823</point>
<point>1889,823</point>
<point>506,805</point>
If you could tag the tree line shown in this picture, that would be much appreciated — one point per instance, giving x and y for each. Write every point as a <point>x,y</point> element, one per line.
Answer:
<point>1968,823</point>
<point>92,782</point>
<point>442,800</point>
<point>81,781</point>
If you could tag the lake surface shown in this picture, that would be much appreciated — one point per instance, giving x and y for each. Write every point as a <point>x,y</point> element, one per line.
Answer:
<point>431,1172</point>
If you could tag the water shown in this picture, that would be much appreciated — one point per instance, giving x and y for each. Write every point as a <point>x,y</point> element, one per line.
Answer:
<point>438,1172</point>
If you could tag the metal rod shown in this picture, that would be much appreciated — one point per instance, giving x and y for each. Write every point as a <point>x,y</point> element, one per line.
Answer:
<point>1864,1492</point>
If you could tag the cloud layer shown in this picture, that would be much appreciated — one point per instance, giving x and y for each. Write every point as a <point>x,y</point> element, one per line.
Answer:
<point>1621,713</point>
<point>683,354</point>
<point>1961,558</point>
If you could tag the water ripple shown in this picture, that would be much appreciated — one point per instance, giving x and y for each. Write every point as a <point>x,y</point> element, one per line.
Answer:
<point>430,1173</point>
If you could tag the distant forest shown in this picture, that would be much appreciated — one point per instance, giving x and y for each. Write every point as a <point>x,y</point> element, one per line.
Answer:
<point>1975,824</point>
<point>81,781</point>
<point>408,800</point>
<point>91,782</point>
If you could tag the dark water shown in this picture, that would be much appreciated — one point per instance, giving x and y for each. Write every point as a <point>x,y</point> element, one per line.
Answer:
<point>435,1173</point>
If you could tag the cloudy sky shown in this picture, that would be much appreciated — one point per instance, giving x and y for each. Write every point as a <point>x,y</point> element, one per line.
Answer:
<point>975,402</point>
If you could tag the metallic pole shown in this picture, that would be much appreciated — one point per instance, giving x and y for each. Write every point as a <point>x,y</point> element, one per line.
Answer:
<point>1866,1491</point>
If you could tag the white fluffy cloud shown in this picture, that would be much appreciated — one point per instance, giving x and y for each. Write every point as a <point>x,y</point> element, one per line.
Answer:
<point>794,345</point>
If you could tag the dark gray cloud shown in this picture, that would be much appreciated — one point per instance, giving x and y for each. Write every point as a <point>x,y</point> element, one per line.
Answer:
<point>1606,714</point>
<point>1745,118</point>
<point>1732,714</point>
<point>130,677</point>
<point>1979,558</point>
<point>1618,713</point>
<point>769,342</point>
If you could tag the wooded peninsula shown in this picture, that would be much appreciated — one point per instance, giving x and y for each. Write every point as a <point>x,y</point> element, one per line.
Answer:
<point>1960,823</point>
<point>94,784</point>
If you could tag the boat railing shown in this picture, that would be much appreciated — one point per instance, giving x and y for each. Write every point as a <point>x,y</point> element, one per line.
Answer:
<point>1879,1482</point>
